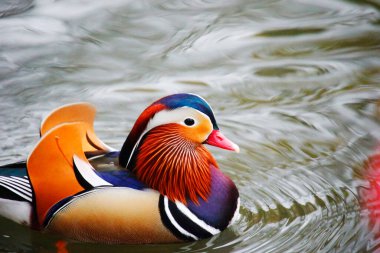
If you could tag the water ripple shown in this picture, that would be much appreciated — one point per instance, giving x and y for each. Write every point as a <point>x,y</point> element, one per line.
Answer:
<point>294,83</point>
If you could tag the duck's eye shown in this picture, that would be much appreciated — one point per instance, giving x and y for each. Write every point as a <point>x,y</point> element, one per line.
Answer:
<point>189,122</point>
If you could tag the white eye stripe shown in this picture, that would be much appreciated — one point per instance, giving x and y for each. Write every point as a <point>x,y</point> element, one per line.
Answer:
<point>174,116</point>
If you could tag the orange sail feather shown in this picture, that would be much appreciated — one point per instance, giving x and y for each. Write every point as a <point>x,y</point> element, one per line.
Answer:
<point>50,166</point>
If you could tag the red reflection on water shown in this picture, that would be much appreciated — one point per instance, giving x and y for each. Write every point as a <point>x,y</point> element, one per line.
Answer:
<point>370,195</point>
<point>61,246</point>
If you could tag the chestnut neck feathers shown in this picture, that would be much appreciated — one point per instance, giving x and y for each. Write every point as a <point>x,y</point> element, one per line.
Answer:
<point>176,167</point>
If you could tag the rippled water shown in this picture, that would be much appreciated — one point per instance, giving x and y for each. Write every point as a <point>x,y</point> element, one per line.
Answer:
<point>295,83</point>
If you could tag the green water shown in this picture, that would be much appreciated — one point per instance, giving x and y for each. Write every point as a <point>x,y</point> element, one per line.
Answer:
<point>294,83</point>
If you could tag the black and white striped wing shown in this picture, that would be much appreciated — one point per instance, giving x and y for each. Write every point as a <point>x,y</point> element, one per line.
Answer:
<point>15,188</point>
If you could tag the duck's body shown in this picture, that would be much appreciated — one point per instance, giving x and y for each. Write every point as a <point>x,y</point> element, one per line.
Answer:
<point>161,196</point>
<point>124,216</point>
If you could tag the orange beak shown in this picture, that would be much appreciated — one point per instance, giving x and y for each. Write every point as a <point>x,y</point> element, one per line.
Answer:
<point>217,139</point>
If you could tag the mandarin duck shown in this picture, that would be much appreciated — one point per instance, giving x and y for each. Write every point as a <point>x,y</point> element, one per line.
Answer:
<point>164,185</point>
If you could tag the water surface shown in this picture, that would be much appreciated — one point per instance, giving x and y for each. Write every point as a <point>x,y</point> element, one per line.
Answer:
<point>295,83</point>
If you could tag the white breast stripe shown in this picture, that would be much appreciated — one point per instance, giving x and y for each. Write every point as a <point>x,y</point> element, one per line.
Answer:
<point>88,173</point>
<point>236,214</point>
<point>6,185</point>
<point>174,222</point>
<point>196,220</point>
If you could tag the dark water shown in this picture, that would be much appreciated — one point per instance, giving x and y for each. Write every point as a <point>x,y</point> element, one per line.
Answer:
<point>294,83</point>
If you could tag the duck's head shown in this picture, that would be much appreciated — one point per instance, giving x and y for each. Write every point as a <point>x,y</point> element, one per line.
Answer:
<point>165,146</point>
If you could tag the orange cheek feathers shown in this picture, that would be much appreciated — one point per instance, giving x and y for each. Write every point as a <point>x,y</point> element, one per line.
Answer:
<point>197,134</point>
